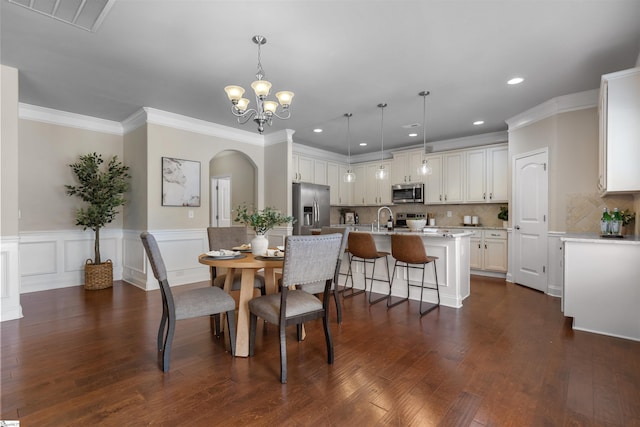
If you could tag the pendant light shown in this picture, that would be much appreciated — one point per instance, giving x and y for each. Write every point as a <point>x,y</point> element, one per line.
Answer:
<point>424,168</point>
<point>349,176</point>
<point>382,173</point>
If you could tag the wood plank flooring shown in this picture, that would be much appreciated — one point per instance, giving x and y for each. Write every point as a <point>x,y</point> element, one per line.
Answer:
<point>507,358</point>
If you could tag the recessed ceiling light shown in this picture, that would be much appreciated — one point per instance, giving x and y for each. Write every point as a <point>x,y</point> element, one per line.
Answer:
<point>363,144</point>
<point>412,135</point>
<point>515,81</point>
<point>478,122</point>
<point>318,130</point>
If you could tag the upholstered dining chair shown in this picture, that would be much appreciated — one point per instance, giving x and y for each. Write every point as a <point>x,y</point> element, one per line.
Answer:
<point>318,287</point>
<point>227,238</point>
<point>209,301</point>
<point>307,259</point>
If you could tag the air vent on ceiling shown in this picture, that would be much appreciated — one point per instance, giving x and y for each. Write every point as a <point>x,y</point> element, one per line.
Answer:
<point>411,126</point>
<point>84,14</point>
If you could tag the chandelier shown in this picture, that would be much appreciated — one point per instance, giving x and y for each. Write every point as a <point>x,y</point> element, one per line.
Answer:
<point>424,168</point>
<point>349,175</point>
<point>265,110</point>
<point>381,172</point>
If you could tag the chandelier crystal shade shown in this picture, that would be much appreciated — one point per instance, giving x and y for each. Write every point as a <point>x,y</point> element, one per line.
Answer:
<point>424,168</point>
<point>349,175</point>
<point>381,172</point>
<point>265,109</point>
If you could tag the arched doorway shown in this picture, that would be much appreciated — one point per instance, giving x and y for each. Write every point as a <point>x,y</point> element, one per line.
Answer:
<point>232,179</point>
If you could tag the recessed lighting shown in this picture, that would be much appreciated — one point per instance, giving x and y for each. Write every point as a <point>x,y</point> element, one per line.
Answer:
<point>515,81</point>
<point>412,135</point>
<point>363,144</point>
<point>478,122</point>
<point>318,130</point>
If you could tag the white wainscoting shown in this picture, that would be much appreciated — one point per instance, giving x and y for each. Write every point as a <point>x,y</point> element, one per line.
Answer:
<point>56,259</point>
<point>10,279</point>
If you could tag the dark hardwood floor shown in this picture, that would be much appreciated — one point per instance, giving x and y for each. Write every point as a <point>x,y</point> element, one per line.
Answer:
<point>507,358</point>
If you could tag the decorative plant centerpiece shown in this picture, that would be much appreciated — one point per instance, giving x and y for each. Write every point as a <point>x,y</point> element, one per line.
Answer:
<point>261,221</point>
<point>103,193</point>
<point>504,215</point>
<point>627,218</point>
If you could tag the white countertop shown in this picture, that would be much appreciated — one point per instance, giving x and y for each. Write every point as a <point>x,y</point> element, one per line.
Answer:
<point>437,232</point>
<point>595,238</point>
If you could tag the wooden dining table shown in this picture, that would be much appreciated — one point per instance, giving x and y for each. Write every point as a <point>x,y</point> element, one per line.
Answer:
<point>249,266</point>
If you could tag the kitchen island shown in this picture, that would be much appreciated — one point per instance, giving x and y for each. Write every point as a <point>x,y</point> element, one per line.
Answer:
<point>602,284</point>
<point>451,246</point>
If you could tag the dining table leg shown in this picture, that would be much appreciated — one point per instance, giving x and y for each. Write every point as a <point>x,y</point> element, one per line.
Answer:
<point>242,327</point>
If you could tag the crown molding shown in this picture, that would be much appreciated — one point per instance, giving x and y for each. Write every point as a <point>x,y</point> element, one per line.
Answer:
<point>285,135</point>
<point>190,124</point>
<point>469,141</point>
<point>319,153</point>
<point>554,106</point>
<point>63,118</point>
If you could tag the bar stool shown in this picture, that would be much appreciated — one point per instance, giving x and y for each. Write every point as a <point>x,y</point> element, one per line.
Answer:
<point>362,248</point>
<point>409,249</point>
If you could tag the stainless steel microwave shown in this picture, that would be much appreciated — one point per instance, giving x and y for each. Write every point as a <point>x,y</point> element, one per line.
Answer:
<point>407,193</point>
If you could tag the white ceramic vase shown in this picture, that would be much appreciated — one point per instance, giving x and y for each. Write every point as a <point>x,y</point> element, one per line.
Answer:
<point>259,245</point>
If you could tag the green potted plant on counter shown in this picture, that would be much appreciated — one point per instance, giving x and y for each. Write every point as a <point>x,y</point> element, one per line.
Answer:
<point>102,191</point>
<point>504,216</point>
<point>261,221</point>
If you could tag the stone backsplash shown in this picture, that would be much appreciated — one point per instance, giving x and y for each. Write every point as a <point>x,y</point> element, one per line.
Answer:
<point>584,211</point>
<point>487,213</point>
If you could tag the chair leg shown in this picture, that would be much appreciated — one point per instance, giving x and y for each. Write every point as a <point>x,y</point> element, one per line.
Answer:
<point>231,327</point>
<point>400,301</point>
<point>435,271</point>
<point>161,329</point>
<point>373,272</point>
<point>166,348</point>
<point>253,323</point>
<point>336,297</point>
<point>283,354</point>
<point>299,331</point>
<point>215,323</point>
<point>328,338</point>
<point>350,289</point>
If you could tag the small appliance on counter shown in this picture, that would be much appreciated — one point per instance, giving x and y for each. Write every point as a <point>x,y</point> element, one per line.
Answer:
<point>471,220</point>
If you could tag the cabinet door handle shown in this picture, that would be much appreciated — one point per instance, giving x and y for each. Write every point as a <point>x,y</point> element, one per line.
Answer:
<point>517,227</point>
<point>490,196</point>
<point>445,197</point>
<point>485,246</point>
<point>479,247</point>
<point>484,196</point>
<point>441,197</point>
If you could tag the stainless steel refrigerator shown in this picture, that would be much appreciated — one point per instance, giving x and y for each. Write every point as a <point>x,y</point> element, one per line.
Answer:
<point>310,207</point>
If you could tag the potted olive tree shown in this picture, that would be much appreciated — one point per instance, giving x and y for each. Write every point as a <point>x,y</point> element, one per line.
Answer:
<point>102,191</point>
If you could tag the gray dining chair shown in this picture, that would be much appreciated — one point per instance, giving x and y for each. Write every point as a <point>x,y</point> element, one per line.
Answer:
<point>318,287</point>
<point>208,301</point>
<point>307,259</point>
<point>228,238</point>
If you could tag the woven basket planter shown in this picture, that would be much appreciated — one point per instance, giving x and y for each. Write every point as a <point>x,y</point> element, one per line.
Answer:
<point>98,276</point>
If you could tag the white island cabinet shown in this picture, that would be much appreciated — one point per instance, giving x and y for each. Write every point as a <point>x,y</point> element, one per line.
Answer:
<point>452,249</point>
<point>602,285</point>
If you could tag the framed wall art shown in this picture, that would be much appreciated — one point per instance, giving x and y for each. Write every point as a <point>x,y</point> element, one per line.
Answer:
<point>180,182</point>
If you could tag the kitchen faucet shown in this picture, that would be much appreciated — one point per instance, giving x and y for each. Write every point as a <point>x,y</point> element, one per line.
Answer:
<point>390,214</point>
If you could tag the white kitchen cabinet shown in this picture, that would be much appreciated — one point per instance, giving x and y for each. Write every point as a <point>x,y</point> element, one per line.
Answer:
<point>486,175</point>
<point>320,172</point>
<point>340,194</point>
<point>619,132</point>
<point>359,186</point>
<point>405,167</point>
<point>446,182</point>
<point>302,169</point>
<point>488,250</point>
<point>377,192</point>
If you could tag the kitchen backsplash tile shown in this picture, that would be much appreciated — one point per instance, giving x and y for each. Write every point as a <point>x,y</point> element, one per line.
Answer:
<point>584,211</point>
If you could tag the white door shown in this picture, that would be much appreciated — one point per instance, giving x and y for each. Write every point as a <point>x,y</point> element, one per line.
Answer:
<point>530,201</point>
<point>220,202</point>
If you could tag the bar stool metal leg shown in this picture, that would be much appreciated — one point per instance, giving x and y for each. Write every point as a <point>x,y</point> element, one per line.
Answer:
<point>437,289</point>
<point>372,279</point>
<point>350,291</point>
<point>391,286</point>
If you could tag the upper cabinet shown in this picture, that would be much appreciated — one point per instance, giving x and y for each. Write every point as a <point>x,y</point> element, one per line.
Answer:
<point>620,132</point>
<point>377,192</point>
<point>446,182</point>
<point>340,194</point>
<point>477,175</point>
<point>486,175</point>
<point>306,169</point>
<point>405,167</point>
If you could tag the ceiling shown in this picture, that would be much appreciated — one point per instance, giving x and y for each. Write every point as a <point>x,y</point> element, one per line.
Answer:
<point>338,57</point>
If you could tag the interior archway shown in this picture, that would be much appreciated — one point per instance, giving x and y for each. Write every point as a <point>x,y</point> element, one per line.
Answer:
<point>241,172</point>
